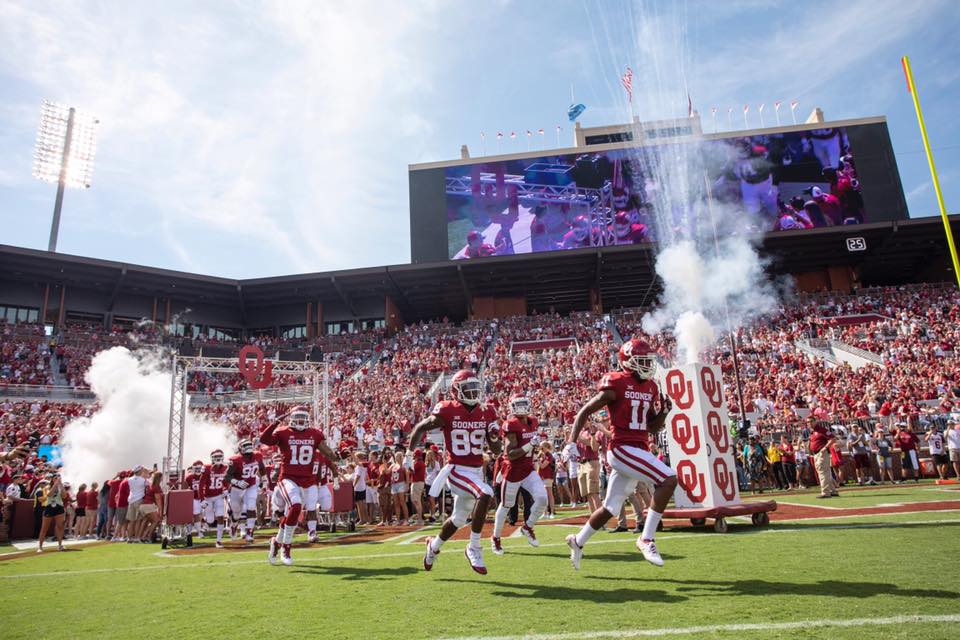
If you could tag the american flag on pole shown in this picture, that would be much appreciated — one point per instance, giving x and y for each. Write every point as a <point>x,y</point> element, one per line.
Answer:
<point>627,81</point>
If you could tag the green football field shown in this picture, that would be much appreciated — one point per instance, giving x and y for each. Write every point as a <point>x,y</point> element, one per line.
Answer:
<point>853,570</point>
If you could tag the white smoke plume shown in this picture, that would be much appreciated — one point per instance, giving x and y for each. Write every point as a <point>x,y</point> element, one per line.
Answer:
<point>706,292</point>
<point>131,426</point>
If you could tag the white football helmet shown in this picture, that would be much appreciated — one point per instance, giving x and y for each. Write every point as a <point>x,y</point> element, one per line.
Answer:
<point>216,456</point>
<point>520,406</point>
<point>198,466</point>
<point>246,447</point>
<point>300,418</point>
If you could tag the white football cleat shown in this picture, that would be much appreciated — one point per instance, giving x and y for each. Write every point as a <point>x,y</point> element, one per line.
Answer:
<point>649,550</point>
<point>430,556</point>
<point>313,538</point>
<point>576,551</point>
<point>475,558</point>
<point>495,544</point>
<point>285,556</point>
<point>249,538</point>
<point>274,548</point>
<point>530,536</point>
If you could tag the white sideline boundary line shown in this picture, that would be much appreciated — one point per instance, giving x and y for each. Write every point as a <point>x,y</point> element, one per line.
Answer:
<point>678,631</point>
<point>402,554</point>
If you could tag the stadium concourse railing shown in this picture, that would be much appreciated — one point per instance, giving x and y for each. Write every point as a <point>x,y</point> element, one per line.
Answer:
<point>45,392</point>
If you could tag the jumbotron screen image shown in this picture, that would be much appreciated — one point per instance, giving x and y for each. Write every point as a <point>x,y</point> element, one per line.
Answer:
<point>788,181</point>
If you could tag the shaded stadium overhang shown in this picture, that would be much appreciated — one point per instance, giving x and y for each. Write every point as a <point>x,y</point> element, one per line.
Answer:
<point>896,252</point>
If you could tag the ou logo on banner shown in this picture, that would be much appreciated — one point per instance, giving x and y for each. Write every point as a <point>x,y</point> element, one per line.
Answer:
<point>724,479</point>
<point>258,375</point>
<point>682,396</point>
<point>711,387</point>
<point>717,432</point>
<point>685,434</point>
<point>693,483</point>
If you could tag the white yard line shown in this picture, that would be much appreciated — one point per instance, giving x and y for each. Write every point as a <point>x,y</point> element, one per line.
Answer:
<point>718,628</point>
<point>813,506</point>
<point>311,553</point>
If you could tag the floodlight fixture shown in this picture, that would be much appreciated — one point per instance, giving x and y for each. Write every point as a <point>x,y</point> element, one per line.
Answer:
<point>66,144</point>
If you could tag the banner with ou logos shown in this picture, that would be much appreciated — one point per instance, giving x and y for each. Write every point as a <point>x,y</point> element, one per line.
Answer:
<point>700,446</point>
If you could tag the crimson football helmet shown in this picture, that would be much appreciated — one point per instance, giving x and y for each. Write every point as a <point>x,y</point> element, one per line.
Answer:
<point>636,355</point>
<point>466,388</point>
<point>474,239</point>
<point>580,228</point>
<point>246,447</point>
<point>198,466</point>
<point>622,224</point>
<point>300,418</point>
<point>520,406</point>
<point>216,456</point>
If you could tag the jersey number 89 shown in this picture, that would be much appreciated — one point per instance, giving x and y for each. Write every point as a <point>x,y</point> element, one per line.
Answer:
<point>467,441</point>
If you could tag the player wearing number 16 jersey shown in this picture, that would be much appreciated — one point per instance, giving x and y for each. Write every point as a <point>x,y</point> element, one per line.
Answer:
<point>466,425</point>
<point>636,408</point>
<point>297,481</point>
<point>213,489</point>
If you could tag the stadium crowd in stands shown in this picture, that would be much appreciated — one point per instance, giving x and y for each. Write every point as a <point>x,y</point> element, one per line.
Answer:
<point>906,381</point>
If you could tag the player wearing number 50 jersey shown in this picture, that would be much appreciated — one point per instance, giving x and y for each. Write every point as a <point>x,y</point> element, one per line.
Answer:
<point>636,408</point>
<point>466,425</point>
<point>298,444</point>
<point>243,476</point>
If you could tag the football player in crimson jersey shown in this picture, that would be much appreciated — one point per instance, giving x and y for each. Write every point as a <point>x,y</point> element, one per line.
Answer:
<point>297,481</point>
<point>327,482</point>
<point>626,231</point>
<point>192,481</point>
<point>636,408</point>
<point>520,439</point>
<point>243,476</point>
<point>213,489</point>
<point>466,425</point>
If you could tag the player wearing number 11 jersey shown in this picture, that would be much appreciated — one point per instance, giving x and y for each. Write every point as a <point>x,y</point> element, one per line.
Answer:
<point>466,425</point>
<point>297,482</point>
<point>636,408</point>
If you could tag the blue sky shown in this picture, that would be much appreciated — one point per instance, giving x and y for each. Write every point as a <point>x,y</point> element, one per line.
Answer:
<point>249,139</point>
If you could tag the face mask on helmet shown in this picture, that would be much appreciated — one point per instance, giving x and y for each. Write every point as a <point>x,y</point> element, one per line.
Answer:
<point>216,457</point>
<point>520,406</point>
<point>636,357</point>
<point>468,391</point>
<point>246,447</point>
<point>300,420</point>
<point>198,467</point>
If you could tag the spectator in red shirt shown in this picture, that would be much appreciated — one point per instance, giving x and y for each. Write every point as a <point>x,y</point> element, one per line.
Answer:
<point>789,460</point>
<point>123,501</point>
<point>907,440</point>
<point>821,441</point>
<point>418,474</point>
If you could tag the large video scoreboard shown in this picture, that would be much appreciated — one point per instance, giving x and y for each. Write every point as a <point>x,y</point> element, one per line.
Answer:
<point>764,181</point>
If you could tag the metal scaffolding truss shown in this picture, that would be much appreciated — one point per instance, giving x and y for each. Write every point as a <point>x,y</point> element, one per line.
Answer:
<point>313,388</point>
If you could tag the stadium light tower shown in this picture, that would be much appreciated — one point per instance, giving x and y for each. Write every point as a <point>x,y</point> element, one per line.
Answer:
<point>66,143</point>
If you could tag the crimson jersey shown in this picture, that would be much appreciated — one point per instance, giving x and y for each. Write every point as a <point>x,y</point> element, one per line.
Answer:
<point>213,480</point>
<point>630,409</point>
<point>465,429</point>
<point>637,234</point>
<point>192,481</point>
<point>517,470</point>
<point>247,469</point>
<point>321,469</point>
<point>298,449</point>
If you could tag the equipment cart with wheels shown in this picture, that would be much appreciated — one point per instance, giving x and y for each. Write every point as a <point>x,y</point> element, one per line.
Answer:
<point>178,518</point>
<point>759,513</point>
<point>342,515</point>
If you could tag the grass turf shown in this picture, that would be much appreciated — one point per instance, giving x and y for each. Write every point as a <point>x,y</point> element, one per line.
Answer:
<point>869,567</point>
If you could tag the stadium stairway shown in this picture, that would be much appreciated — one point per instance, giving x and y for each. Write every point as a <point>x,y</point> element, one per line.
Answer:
<point>817,348</point>
<point>854,356</point>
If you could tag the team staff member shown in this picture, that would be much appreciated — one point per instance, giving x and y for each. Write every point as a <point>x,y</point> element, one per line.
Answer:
<point>953,445</point>
<point>53,512</point>
<point>821,441</point>
<point>907,440</point>
<point>588,468</point>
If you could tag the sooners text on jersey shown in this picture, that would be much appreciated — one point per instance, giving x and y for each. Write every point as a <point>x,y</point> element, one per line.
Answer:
<point>298,449</point>
<point>517,470</point>
<point>213,480</point>
<point>465,431</point>
<point>629,410</point>
<point>246,469</point>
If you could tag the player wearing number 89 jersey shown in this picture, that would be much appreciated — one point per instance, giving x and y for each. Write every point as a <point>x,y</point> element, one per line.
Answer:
<point>298,444</point>
<point>636,408</point>
<point>466,426</point>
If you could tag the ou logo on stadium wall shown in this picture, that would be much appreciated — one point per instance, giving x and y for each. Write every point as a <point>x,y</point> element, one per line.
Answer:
<point>258,375</point>
<point>717,432</point>
<point>681,395</point>
<point>724,479</point>
<point>686,435</point>
<point>693,483</point>
<point>711,387</point>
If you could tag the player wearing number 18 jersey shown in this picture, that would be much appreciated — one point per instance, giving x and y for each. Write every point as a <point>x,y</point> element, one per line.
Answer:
<point>636,408</point>
<point>297,482</point>
<point>466,426</point>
